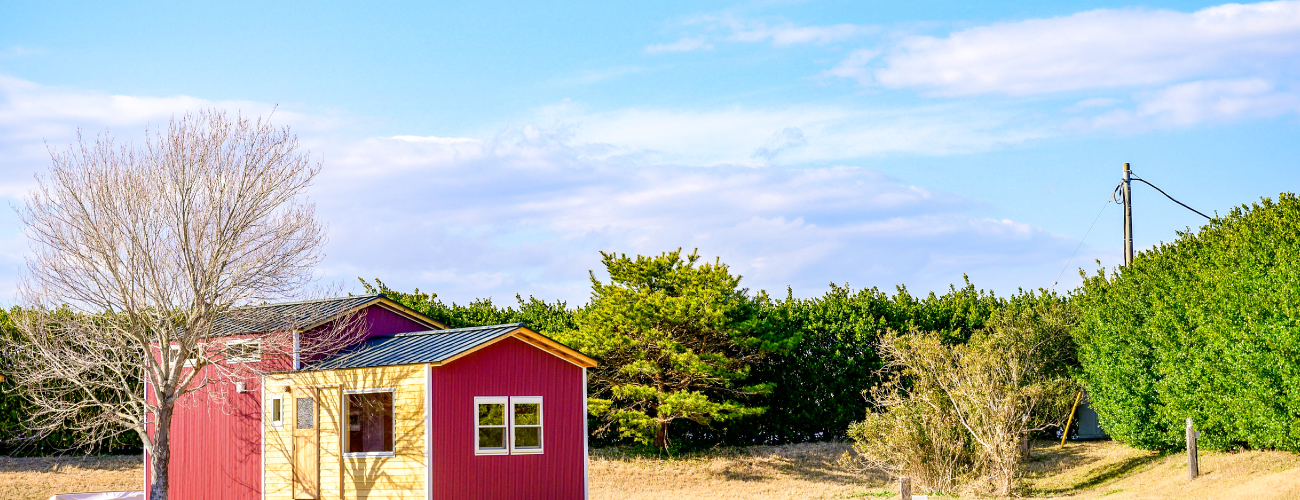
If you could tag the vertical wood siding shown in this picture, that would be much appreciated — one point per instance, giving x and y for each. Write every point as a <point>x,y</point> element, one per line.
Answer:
<point>216,444</point>
<point>508,368</point>
<point>399,477</point>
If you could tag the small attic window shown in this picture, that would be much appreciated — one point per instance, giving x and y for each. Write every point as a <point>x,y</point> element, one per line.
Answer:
<point>193,357</point>
<point>244,351</point>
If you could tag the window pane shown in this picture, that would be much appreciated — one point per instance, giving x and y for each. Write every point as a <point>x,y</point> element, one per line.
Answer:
<point>306,413</point>
<point>492,438</point>
<point>275,410</point>
<point>528,437</point>
<point>526,414</point>
<point>370,422</point>
<point>244,351</point>
<point>491,414</point>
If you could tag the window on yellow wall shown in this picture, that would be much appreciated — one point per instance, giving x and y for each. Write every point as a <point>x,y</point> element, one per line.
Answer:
<point>370,422</point>
<point>277,411</point>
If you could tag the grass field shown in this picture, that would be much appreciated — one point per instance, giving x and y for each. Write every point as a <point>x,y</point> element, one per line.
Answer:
<point>38,478</point>
<point>1099,470</point>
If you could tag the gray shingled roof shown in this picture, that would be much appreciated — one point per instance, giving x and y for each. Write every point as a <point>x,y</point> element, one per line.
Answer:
<point>415,347</point>
<point>286,316</point>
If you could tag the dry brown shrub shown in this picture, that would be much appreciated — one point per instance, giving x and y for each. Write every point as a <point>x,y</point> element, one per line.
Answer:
<point>955,416</point>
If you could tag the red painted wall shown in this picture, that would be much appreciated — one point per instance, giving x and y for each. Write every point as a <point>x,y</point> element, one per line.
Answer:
<point>216,445</point>
<point>508,368</point>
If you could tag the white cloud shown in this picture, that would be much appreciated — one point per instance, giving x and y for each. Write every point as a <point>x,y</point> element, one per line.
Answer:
<point>754,31</point>
<point>684,44</point>
<point>787,34</point>
<point>531,210</point>
<point>1218,100</point>
<point>738,135</point>
<point>1097,49</point>
<point>855,66</point>
<point>1185,104</point>
<point>21,51</point>
<point>526,211</point>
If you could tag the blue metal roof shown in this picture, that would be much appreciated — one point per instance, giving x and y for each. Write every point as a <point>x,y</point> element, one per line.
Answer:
<point>433,346</point>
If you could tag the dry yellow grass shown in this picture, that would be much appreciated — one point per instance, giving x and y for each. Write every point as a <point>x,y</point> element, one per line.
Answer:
<point>805,471</point>
<point>1113,471</point>
<point>1081,471</point>
<point>38,478</point>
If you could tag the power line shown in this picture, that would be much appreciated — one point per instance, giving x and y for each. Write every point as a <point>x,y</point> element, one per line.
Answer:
<point>1198,212</point>
<point>1085,237</point>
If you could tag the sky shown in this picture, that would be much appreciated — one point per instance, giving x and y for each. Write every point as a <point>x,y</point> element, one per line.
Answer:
<point>488,149</point>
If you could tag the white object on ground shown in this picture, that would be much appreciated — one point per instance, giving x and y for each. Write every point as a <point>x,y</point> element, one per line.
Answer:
<point>101,495</point>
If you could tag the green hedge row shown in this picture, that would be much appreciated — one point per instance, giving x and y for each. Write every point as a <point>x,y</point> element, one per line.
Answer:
<point>1206,327</point>
<point>819,382</point>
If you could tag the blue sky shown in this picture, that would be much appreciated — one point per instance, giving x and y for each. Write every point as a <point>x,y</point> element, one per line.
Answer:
<point>493,148</point>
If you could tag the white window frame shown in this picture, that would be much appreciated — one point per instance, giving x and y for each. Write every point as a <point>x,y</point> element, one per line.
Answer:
<point>347,426</point>
<point>284,404</point>
<point>255,342</point>
<point>189,362</point>
<point>541,425</point>
<point>505,428</point>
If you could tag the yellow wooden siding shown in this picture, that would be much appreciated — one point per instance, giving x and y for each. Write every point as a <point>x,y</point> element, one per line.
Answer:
<point>401,476</point>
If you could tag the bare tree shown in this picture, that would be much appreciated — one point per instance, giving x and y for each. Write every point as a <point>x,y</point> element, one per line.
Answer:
<point>138,258</point>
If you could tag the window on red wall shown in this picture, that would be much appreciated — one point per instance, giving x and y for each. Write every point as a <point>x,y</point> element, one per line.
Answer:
<point>525,425</point>
<point>508,425</point>
<point>370,422</point>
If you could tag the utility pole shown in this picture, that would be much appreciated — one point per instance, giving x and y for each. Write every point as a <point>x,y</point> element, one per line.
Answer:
<point>1128,216</point>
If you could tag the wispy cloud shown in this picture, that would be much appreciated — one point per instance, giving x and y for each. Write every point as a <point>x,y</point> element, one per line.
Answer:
<point>22,51</point>
<point>740,134</point>
<point>1099,49</point>
<point>786,34</point>
<point>730,28</point>
<point>1206,101</point>
<point>527,210</point>
<point>684,44</point>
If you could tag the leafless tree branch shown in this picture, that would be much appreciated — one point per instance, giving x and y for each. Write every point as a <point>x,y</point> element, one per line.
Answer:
<point>137,253</point>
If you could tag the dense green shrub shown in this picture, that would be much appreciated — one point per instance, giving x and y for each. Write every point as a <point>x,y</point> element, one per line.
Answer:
<point>819,381</point>
<point>550,318</point>
<point>1206,327</point>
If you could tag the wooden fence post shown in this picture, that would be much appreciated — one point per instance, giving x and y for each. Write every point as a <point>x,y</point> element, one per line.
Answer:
<point>905,487</point>
<point>1193,468</point>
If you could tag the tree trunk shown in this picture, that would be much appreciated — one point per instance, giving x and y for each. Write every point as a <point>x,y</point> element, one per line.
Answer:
<point>661,436</point>
<point>160,456</point>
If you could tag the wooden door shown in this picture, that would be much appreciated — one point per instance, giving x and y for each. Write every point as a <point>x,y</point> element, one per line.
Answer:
<point>306,444</point>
